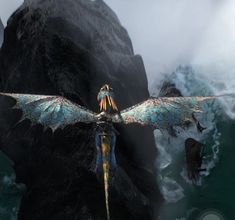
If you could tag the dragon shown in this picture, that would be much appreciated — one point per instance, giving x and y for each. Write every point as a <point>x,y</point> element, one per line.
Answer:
<point>57,112</point>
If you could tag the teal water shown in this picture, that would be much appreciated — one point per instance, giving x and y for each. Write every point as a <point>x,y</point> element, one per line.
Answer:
<point>217,191</point>
<point>10,192</point>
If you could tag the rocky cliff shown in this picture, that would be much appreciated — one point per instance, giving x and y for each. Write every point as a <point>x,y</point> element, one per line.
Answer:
<point>71,48</point>
<point>1,32</point>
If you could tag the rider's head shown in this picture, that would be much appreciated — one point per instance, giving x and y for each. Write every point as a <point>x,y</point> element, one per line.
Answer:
<point>106,99</point>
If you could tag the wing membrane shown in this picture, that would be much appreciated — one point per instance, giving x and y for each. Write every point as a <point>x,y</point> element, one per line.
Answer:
<point>51,111</point>
<point>163,113</point>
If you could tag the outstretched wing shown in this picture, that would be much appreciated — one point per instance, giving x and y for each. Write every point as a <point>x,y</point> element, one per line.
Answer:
<point>163,113</point>
<point>51,111</point>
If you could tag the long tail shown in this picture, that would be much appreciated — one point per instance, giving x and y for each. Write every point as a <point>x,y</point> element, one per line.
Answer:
<point>105,155</point>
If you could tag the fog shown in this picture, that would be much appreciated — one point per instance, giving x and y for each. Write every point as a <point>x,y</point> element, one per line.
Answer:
<point>7,7</point>
<point>171,32</point>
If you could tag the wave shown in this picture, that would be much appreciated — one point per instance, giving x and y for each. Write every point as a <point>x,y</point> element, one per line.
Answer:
<point>171,161</point>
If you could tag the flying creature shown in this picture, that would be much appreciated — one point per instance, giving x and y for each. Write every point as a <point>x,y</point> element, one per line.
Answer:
<point>58,112</point>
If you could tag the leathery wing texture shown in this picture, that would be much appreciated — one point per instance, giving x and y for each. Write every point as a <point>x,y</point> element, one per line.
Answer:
<point>51,111</point>
<point>58,112</point>
<point>162,113</point>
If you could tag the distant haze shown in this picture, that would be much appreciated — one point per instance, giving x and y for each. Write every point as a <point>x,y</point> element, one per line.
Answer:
<point>7,7</point>
<point>172,32</point>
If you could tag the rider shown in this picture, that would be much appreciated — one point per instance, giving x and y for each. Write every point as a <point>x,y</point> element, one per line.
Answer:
<point>105,127</point>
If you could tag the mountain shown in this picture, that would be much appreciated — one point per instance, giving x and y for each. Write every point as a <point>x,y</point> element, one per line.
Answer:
<point>72,48</point>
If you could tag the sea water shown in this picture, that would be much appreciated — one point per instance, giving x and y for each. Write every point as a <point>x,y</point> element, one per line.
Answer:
<point>215,189</point>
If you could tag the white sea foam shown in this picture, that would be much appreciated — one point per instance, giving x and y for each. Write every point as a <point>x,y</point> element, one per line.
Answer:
<point>171,190</point>
<point>171,160</point>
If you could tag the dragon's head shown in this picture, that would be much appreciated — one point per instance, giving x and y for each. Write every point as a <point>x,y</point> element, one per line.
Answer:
<point>106,99</point>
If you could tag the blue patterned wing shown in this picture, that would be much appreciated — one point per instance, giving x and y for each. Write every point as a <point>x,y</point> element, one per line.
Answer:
<point>162,113</point>
<point>51,111</point>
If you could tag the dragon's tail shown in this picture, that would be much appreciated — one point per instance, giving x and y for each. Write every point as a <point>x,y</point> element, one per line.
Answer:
<point>105,155</point>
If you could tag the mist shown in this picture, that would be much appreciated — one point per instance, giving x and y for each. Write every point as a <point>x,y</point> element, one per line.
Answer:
<point>7,8</point>
<point>168,33</point>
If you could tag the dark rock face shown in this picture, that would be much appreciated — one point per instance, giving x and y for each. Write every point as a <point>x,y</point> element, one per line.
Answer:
<point>1,32</point>
<point>193,150</point>
<point>169,89</point>
<point>71,48</point>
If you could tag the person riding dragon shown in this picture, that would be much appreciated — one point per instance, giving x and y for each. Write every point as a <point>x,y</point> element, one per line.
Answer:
<point>58,112</point>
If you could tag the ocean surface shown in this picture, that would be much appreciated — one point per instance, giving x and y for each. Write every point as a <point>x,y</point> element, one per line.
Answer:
<point>215,191</point>
<point>184,200</point>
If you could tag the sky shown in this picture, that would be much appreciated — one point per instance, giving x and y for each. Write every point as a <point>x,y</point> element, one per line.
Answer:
<point>168,33</point>
<point>172,32</point>
<point>7,7</point>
